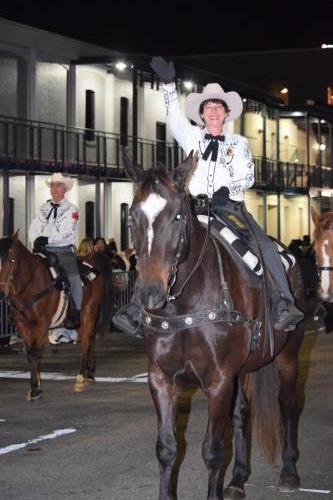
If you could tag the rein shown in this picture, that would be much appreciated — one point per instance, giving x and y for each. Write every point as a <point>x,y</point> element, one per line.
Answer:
<point>35,298</point>
<point>174,267</point>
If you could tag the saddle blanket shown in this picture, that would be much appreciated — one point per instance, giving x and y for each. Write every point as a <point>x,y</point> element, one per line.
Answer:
<point>243,251</point>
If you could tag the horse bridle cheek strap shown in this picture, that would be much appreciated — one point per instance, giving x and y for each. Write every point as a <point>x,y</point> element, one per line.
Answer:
<point>22,308</point>
<point>180,256</point>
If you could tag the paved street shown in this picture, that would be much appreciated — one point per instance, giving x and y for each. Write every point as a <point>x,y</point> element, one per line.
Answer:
<point>105,447</point>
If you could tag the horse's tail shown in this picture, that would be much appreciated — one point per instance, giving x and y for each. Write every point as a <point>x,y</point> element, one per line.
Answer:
<point>262,390</point>
<point>106,310</point>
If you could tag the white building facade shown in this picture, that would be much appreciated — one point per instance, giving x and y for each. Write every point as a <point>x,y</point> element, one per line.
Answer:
<point>65,106</point>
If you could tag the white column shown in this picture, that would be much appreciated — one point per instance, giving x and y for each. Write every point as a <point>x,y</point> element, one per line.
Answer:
<point>107,209</point>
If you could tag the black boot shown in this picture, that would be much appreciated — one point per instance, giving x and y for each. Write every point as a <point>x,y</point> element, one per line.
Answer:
<point>128,319</point>
<point>72,321</point>
<point>288,318</point>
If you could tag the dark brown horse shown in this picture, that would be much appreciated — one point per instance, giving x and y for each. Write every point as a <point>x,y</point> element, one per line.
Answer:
<point>26,282</point>
<point>183,274</point>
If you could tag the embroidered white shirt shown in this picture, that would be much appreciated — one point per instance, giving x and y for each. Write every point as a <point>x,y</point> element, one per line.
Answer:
<point>61,231</point>
<point>234,167</point>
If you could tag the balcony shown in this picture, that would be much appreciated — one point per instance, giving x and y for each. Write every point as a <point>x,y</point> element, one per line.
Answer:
<point>39,147</point>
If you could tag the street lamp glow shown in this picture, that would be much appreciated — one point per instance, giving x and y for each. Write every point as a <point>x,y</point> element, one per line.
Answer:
<point>322,147</point>
<point>284,90</point>
<point>188,85</point>
<point>326,46</point>
<point>121,66</point>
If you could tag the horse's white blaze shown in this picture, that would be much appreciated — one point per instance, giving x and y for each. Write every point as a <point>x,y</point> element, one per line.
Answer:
<point>152,207</point>
<point>325,275</point>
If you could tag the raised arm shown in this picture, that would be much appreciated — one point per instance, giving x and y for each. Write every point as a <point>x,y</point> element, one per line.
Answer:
<point>179,126</point>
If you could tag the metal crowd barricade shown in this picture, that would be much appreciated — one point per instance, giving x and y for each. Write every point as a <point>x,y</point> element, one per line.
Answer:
<point>7,326</point>
<point>123,282</point>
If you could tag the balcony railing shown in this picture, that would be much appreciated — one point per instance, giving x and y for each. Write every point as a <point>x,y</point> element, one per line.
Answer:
<point>45,147</point>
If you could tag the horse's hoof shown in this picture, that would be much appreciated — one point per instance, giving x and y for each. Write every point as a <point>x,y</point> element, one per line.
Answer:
<point>91,379</point>
<point>288,482</point>
<point>233,493</point>
<point>35,397</point>
<point>79,384</point>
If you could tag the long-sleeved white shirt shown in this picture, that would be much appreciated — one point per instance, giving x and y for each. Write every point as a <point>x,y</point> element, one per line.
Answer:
<point>60,231</point>
<point>234,167</point>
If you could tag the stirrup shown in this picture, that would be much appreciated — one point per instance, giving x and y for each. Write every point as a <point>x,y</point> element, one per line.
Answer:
<point>123,323</point>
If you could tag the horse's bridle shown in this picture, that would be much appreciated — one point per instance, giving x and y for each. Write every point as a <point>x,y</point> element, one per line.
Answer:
<point>326,227</point>
<point>10,279</point>
<point>184,216</point>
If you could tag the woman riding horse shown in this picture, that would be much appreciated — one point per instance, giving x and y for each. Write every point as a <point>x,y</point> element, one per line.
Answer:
<point>224,160</point>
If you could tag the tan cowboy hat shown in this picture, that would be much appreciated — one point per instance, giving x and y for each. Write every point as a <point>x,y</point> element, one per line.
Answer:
<point>213,91</point>
<point>58,177</point>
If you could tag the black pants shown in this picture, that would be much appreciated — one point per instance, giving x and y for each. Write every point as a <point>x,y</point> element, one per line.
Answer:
<point>262,246</point>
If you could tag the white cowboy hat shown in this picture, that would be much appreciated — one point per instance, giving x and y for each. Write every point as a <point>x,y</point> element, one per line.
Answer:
<point>58,177</point>
<point>213,91</point>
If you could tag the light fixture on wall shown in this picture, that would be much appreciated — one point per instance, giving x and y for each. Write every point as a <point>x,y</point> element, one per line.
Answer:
<point>322,147</point>
<point>284,91</point>
<point>120,65</point>
<point>188,85</point>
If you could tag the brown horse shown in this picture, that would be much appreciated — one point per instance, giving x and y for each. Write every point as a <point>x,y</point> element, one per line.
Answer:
<point>184,276</point>
<point>26,282</point>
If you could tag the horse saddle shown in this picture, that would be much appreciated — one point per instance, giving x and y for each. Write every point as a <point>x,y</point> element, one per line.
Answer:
<point>234,236</point>
<point>66,314</point>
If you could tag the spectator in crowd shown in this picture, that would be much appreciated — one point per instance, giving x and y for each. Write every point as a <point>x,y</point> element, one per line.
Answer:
<point>117,260</point>
<point>131,258</point>
<point>100,244</point>
<point>295,248</point>
<point>85,247</point>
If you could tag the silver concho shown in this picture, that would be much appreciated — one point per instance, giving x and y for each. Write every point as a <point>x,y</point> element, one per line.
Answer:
<point>188,320</point>
<point>212,315</point>
<point>165,325</point>
<point>148,320</point>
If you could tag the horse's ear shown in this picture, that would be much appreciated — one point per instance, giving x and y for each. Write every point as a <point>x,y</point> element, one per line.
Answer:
<point>183,172</point>
<point>132,169</point>
<point>15,235</point>
<point>315,216</point>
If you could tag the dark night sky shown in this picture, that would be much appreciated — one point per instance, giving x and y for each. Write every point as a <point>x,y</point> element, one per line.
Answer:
<point>171,27</point>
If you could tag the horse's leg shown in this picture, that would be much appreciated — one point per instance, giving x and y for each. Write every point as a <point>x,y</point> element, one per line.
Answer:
<point>91,360</point>
<point>85,335</point>
<point>33,341</point>
<point>164,394</point>
<point>287,363</point>
<point>219,404</point>
<point>240,473</point>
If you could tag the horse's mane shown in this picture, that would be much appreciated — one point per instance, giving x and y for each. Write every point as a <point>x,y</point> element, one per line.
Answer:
<point>153,179</point>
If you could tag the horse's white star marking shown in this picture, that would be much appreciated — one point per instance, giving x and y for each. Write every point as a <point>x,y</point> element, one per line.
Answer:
<point>152,207</point>
<point>325,276</point>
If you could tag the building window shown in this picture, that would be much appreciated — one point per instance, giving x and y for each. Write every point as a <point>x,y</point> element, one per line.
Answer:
<point>90,115</point>
<point>123,121</point>
<point>90,219</point>
<point>161,143</point>
<point>330,96</point>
